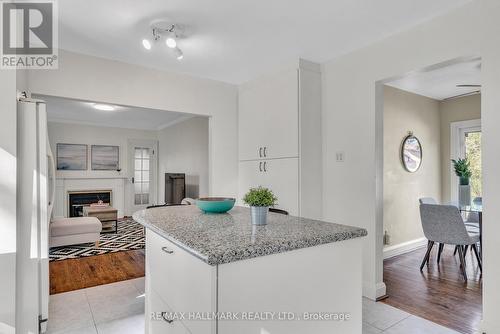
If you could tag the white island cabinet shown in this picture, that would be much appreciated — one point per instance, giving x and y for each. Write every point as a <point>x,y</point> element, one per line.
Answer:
<point>208,274</point>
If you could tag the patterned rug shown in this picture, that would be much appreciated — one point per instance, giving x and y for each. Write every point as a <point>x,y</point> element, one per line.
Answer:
<point>130,236</point>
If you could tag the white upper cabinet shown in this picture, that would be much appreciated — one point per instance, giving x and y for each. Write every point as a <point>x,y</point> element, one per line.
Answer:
<point>280,143</point>
<point>269,117</point>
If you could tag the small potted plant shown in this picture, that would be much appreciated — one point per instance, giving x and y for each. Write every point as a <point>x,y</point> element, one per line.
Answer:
<point>463,171</point>
<point>259,199</point>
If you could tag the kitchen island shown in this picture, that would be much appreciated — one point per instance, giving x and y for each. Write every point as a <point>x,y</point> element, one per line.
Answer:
<point>217,273</point>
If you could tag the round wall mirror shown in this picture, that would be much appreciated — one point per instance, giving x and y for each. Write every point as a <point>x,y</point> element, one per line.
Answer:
<point>411,153</point>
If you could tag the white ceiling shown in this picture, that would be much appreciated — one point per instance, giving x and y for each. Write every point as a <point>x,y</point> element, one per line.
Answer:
<point>441,83</point>
<point>82,112</point>
<point>237,40</point>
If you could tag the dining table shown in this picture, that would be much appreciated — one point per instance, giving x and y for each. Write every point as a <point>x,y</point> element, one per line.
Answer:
<point>476,207</point>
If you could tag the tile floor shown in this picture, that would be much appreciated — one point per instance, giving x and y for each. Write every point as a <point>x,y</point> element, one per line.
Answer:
<point>105,309</point>
<point>118,308</point>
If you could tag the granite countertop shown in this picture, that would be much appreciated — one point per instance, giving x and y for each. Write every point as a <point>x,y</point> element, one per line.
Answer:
<point>228,237</point>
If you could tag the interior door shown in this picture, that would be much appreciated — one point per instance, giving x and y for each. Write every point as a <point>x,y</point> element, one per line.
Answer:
<point>143,171</point>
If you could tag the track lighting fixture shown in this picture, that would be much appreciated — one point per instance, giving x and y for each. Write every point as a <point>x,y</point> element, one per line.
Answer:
<point>169,33</point>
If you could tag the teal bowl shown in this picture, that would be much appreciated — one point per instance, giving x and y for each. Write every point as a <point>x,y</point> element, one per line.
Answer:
<point>215,204</point>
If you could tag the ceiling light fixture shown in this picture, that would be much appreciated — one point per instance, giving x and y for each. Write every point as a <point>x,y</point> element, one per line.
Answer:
<point>170,32</point>
<point>178,54</point>
<point>147,44</point>
<point>171,43</point>
<point>104,107</point>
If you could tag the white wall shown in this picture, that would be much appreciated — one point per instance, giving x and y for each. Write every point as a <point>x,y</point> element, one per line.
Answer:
<point>95,135</point>
<point>403,112</point>
<point>7,200</point>
<point>353,121</point>
<point>118,182</point>
<point>97,79</point>
<point>183,148</point>
<point>490,106</point>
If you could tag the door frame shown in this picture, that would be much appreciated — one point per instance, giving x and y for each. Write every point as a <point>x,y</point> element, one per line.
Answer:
<point>153,165</point>
<point>457,129</point>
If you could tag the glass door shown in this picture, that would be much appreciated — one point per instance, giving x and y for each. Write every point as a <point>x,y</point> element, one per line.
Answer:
<point>143,170</point>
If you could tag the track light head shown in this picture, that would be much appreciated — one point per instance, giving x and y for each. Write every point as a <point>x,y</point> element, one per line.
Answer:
<point>179,54</point>
<point>171,42</point>
<point>146,43</point>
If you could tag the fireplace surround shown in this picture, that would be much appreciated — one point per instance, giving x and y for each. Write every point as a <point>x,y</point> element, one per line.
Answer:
<point>79,199</point>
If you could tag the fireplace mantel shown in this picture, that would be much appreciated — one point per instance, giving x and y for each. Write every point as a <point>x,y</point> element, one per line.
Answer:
<point>117,185</point>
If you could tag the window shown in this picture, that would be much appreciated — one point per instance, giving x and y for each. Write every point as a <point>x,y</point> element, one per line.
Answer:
<point>465,140</point>
<point>141,176</point>
<point>472,142</point>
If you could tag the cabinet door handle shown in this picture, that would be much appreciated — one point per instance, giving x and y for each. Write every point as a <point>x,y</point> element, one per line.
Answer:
<point>260,166</point>
<point>165,318</point>
<point>265,170</point>
<point>260,152</point>
<point>166,250</point>
<point>265,149</point>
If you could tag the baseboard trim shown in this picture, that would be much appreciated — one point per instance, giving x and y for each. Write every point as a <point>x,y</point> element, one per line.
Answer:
<point>488,327</point>
<point>404,247</point>
<point>374,291</point>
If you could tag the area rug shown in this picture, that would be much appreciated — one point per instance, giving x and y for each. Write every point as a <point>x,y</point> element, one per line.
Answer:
<point>130,236</point>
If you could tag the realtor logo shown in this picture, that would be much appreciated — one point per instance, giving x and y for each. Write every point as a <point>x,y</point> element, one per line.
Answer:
<point>29,35</point>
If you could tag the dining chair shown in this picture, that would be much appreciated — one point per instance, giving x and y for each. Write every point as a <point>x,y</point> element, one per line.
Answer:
<point>431,200</point>
<point>444,224</point>
<point>162,205</point>
<point>283,212</point>
<point>427,200</point>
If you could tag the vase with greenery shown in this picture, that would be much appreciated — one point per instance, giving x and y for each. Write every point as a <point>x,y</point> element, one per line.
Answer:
<point>260,199</point>
<point>462,170</point>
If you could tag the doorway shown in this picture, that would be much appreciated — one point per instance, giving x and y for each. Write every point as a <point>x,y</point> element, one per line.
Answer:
<point>143,162</point>
<point>440,106</point>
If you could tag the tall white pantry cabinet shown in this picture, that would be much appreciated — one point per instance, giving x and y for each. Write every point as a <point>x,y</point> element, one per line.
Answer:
<point>280,138</point>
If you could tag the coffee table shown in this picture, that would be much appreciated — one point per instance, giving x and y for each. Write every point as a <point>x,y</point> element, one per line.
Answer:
<point>108,217</point>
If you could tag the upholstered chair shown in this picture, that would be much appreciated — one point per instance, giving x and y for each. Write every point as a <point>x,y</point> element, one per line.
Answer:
<point>443,224</point>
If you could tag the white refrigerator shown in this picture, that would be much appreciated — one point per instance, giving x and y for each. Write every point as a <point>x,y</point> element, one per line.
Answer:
<point>35,197</point>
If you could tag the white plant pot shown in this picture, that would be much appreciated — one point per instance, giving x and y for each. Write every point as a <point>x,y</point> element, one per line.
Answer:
<point>464,195</point>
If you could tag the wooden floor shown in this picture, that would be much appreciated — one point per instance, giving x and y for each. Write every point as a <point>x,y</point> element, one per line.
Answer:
<point>85,272</point>
<point>438,294</point>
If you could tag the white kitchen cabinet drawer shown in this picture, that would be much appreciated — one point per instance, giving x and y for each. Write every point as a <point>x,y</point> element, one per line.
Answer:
<point>268,116</point>
<point>162,321</point>
<point>184,282</point>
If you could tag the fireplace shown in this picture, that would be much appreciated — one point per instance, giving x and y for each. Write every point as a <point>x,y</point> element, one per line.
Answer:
<point>78,199</point>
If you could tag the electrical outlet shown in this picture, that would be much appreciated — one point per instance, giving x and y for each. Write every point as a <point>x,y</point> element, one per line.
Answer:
<point>387,238</point>
<point>340,156</point>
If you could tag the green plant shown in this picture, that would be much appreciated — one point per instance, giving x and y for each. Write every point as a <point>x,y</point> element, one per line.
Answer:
<point>260,196</point>
<point>462,170</point>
